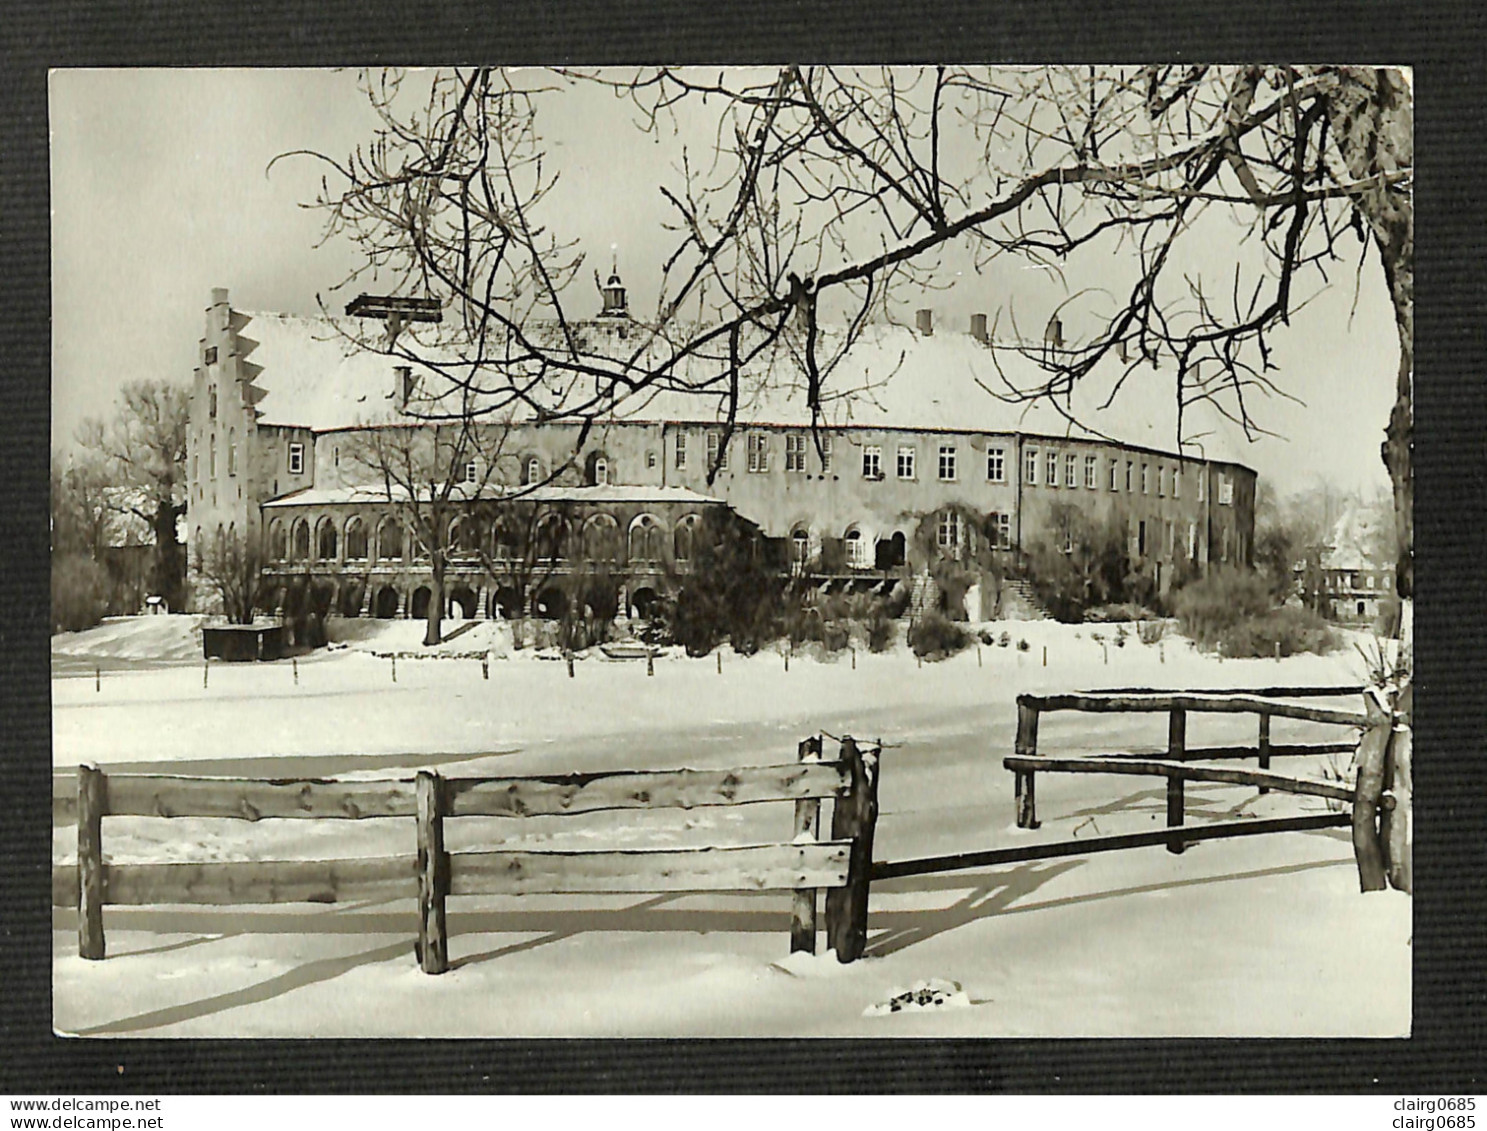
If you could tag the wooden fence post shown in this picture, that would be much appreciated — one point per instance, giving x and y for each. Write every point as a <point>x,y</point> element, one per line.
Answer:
<point>1394,825</point>
<point>1026,747</point>
<point>1175,844</point>
<point>1372,752</point>
<point>853,817</point>
<point>1177,734</point>
<point>1264,746</point>
<point>92,803</point>
<point>433,875</point>
<point>803,907</point>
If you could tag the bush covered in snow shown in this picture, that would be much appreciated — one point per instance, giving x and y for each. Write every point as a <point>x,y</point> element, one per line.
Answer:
<point>935,636</point>
<point>1231,609</point>
<point>1286,631</point>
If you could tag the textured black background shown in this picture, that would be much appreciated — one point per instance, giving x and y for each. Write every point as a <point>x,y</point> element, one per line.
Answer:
<point>1443,43</point>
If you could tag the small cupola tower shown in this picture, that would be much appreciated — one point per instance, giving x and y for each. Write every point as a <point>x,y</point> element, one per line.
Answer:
<point>615,303</point>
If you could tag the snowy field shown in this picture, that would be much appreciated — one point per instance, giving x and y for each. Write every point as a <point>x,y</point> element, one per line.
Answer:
<point>1260,936</point>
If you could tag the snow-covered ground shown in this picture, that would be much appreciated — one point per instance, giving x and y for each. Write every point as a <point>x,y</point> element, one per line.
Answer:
<point>1257,936</point>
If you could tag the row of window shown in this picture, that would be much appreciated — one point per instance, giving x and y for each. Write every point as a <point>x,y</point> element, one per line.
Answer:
<point>553,537</point>
<point>905,465</point>
<point>1122,474</point>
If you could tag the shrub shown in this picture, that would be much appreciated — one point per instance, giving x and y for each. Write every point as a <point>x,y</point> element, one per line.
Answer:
<point>1122,634</point>
<point>1023,645</point>
<point>80,589</point>
<point>1288,629</point>
<point>1211,606</point>
<point>935,636</point>
<point>729,592</point>
<point>1004,640</point>
<point>1151,631</point>
<point>1230,610</point>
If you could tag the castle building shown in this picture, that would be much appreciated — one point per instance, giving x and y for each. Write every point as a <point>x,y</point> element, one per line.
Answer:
<point>915,457</point>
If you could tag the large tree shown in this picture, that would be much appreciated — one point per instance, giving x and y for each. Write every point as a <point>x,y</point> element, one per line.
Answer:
<point>141,451</point>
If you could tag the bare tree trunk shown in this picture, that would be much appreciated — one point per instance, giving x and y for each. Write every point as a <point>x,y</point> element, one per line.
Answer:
<point>1372,118</point>
<point>434,633</point>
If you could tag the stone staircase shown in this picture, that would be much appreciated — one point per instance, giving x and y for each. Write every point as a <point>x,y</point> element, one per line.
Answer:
<point>1020,603</point>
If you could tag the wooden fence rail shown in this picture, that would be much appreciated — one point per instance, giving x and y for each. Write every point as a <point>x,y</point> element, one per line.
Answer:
<point>841,865</point>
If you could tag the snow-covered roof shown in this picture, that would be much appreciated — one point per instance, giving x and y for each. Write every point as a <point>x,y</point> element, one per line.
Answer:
<point>314,375</point>
<point>611,493</point>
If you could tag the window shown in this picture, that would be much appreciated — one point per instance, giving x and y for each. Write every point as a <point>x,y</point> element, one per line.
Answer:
<point>857,557</point>
<point>717,454</point>
<point>1052,477</point>
<point>1030,470</point>
<point>948,534</point>
<point>1226,491</point>
<point>232,451</point>
<point>325,540</point>
<point>650,461</point>
<point>601,539</point>
<point>211,355</point>
<point>682,537</point>
<point>212,457</point>
<point>301,540</point>
<point>1068,546</point>
<point>1091,472</point>
<point>1071,471</point>
<point>356,539</point>
<point>905,462</point>
<point>470,476</point>
<point>532,471</point>
<point>758,452</point>
<point>601,472</point>
<point>825,453</point>
<point>296,459</point>
<point>1141,538</point>
<point>1002,528</point>
<point>1145,478</point>
<point>681,451</point>
<point>794,452</point>
<point>1384,581</point>
<point>1130,467</point>
<point>1202,479</point>
<point>996,467</point>
<point>800,546</point>
<point>872,463</point>
<point>1177,482</point>
<point>947,462</point>
<point>335,456</point>
<point>1115,475</point>
<point>551,534</point>
<point>389,540</point>
<point>1192,541</point>
<point>1161,481</point>
<point>212,404</point>
<point>1369,580</point>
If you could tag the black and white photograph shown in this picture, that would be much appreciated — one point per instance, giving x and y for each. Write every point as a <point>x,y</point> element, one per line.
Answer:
<point>734,551</point>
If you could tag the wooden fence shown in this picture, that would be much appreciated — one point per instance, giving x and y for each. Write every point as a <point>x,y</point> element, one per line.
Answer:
<point>1026,764</point>
<point>803,865</point>
<point>1175,766</point>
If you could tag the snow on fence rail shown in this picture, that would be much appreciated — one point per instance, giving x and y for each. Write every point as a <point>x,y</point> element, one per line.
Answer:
<point>802,865</point>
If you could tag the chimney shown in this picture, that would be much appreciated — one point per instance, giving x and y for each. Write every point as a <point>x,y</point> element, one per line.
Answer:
<point>924,319</point>
<point>978,328</point>
<point>405,384</point>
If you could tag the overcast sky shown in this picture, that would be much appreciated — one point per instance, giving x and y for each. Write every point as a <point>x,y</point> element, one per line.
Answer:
<point>160,192</point>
